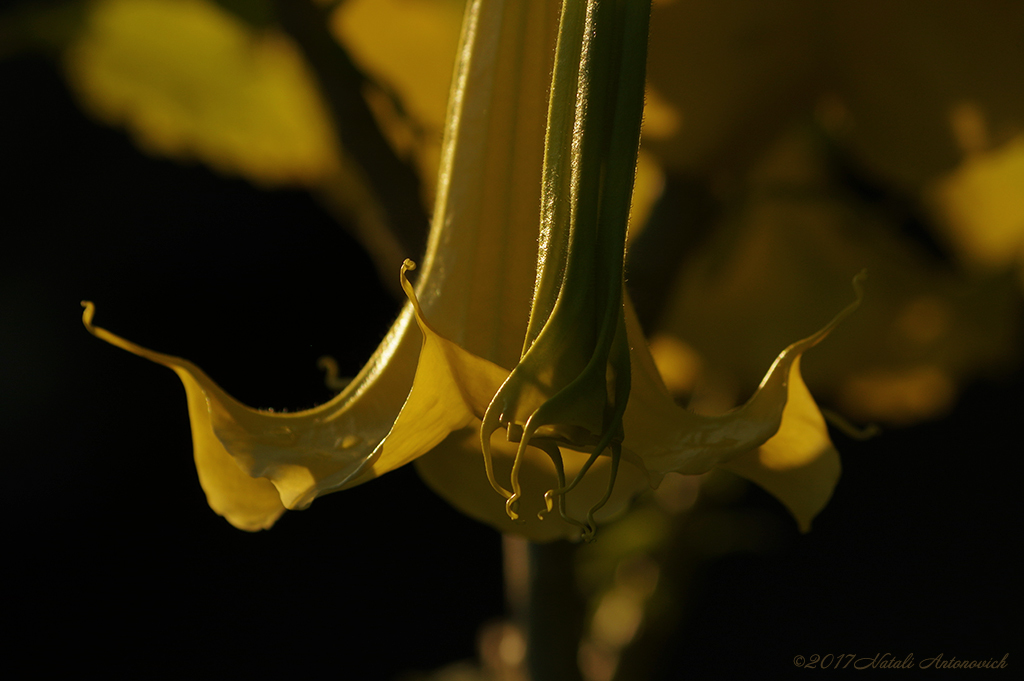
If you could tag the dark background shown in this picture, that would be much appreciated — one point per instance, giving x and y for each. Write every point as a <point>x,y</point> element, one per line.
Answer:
<point>115,563</point>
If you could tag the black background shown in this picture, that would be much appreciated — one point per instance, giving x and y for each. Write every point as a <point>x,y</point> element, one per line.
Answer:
<point>114,562</point>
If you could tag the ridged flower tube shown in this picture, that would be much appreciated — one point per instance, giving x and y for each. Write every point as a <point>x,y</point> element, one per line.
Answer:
<point>517,377</point>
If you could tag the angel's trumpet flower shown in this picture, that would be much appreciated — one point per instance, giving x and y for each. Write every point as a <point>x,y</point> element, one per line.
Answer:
<point>513,363</point>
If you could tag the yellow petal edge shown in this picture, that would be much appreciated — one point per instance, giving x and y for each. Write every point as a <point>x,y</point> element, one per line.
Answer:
<point>253,464</point>
<point>246,502</point>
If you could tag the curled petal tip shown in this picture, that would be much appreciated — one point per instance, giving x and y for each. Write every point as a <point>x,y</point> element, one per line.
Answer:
<point>88,312</point>
<point>410,293</point>
<point>858,283</point>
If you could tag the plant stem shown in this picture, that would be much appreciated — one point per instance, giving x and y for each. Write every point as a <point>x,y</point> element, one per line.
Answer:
<point>556,614</point>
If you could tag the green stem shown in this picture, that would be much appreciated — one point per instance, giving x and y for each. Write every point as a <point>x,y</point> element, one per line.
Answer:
<point>556,614</point>
<point>590,158</point>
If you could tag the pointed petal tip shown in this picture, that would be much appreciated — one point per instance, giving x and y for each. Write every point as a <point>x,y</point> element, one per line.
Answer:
<point>799,466</point>
<point>248,503</point>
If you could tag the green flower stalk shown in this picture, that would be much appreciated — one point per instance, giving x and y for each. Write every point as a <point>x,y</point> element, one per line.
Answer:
<point>572,383</point>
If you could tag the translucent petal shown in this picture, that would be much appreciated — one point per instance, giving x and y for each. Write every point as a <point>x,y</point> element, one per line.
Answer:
<point>798,465</point>
<point>450,391</point>
<point>479,271</point>
<point>778,439</point>
<point>247,503</point>
<point>670,438</point>
<point>425,392</point>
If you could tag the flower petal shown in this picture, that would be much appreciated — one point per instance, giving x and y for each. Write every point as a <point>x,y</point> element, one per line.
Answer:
<point>477,280</point>
<point>450,391</point>
<point>798,465</point>
<point>670,438</point>
<point>247,503</point>
<point>303,454</point>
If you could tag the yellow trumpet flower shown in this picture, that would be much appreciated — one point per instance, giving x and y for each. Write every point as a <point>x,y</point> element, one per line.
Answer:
<point>513,363</point>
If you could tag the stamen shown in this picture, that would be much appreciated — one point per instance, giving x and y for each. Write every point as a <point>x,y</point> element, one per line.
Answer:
<point>332,380</point>
<point>849,429</point>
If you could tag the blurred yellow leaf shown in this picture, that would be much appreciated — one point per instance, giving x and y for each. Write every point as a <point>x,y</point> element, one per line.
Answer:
<point>782,259</point>
<point>902,67</point>
<point>982,204</point>
<point>730,75</point>
<point>191,81</point>
<point>409,46</point>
